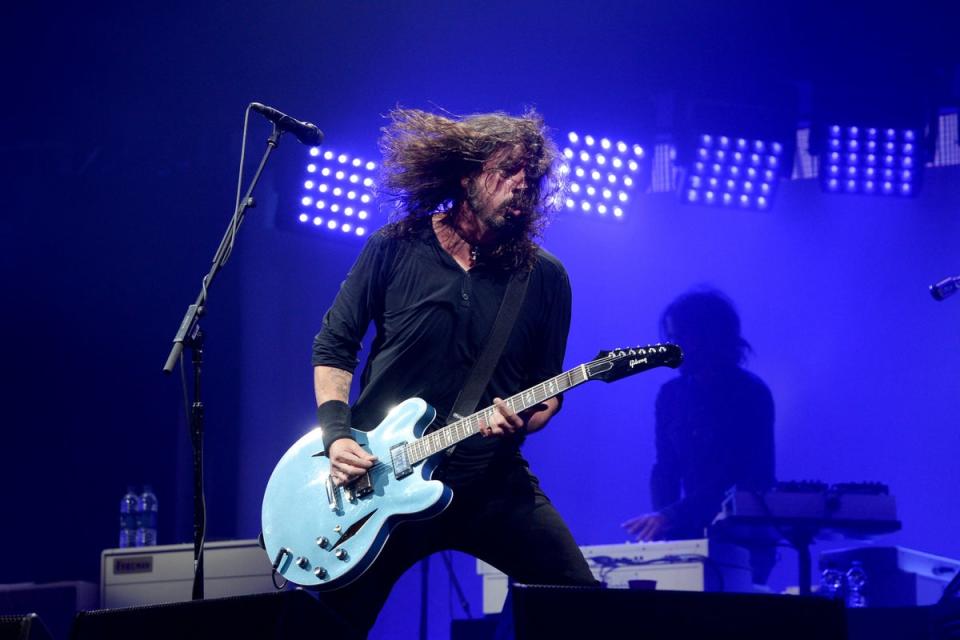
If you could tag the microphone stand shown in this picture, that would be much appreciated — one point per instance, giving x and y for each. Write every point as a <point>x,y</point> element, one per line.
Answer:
<point>190,335</point>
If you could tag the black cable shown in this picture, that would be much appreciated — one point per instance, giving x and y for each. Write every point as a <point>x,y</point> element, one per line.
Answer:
<point>608,563</point>
<point>186,395</point>
<point>235,224</point>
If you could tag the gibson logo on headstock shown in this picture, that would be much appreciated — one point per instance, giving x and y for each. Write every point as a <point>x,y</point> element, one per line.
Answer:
<point>637,361</point>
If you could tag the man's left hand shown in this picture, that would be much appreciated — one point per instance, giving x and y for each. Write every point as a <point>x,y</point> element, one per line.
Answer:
<point>503,421</point>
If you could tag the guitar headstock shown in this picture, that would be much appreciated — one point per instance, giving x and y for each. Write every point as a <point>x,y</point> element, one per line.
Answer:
<point>620,363</point>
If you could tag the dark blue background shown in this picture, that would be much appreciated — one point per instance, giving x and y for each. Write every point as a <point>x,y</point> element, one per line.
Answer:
<point>122,132</point>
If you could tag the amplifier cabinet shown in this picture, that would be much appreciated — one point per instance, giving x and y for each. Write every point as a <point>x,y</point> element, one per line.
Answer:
<point>162,574</point>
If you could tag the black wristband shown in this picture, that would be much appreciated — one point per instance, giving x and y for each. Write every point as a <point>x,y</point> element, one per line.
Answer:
<point>334,419</point>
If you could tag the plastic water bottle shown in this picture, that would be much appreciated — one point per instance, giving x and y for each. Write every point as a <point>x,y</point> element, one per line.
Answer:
<point>147,518</point>
<point>856,579</point>
<point>831,583</point>
<point>128,518</point>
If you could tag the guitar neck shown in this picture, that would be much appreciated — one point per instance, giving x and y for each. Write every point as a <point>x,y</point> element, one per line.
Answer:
<point>455,432</point>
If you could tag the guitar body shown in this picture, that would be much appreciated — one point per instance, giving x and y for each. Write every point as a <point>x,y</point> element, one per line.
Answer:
<point>303,534</point>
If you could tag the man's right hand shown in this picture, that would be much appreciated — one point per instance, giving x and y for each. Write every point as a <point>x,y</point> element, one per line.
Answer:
<point>648,527</point>
<point>348,460</point>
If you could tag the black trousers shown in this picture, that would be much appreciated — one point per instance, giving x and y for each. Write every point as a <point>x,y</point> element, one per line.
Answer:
<point>506,521</point>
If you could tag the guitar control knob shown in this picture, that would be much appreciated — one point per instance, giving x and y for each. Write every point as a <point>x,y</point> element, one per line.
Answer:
<point>337,529</point>
<point>302,562</point>
<point>341,554</point>
<point>320,572</point>
<point>322,542</point>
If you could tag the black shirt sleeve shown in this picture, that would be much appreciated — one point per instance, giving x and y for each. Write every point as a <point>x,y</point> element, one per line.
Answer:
<point>666,473</point>
<point>556,326</point>
<point>756,462</point>
<point>344,325</point>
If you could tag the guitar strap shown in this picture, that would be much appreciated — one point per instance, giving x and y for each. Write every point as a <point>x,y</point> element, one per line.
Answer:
<point>479,376</point>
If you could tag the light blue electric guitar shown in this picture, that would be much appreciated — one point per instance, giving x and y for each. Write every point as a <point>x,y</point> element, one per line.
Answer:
<point>323,535</point>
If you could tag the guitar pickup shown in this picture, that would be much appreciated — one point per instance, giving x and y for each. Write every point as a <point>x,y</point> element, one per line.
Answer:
<point>401,465</point>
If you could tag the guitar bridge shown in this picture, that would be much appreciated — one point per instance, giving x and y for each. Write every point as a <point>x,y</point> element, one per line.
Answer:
<point>362,486</point>
<point>356,489</point>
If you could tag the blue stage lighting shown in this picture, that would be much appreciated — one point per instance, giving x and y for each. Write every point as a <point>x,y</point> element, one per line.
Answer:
<point>604,171</point>
<point>357,181</point>
<point>733,172</point>
<point>870,153</point>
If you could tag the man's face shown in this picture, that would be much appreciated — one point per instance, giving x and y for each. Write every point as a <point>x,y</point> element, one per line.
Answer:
<point>494,195</point>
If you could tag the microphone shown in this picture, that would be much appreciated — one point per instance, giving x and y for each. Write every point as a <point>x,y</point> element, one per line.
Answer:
<point>945,288</point>
<point>305,132</point>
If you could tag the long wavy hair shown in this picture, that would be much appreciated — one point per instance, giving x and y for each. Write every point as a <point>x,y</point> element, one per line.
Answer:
<point>710,317</point>
<point>426,156</point>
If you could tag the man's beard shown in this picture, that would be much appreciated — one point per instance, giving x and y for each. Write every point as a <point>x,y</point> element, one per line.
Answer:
<point>507,219</point>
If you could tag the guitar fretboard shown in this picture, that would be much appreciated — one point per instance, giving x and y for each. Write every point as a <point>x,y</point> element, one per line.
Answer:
<point>462,429</point>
